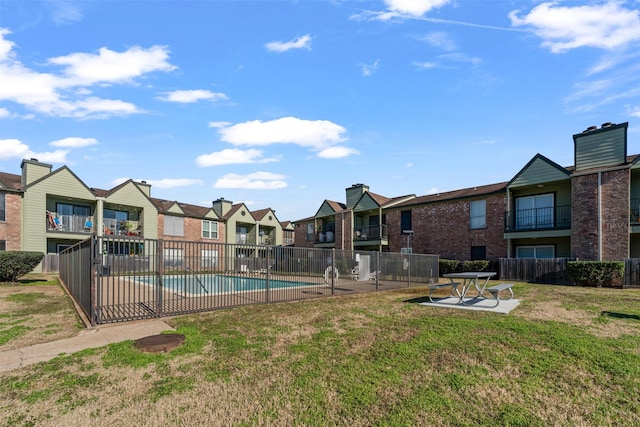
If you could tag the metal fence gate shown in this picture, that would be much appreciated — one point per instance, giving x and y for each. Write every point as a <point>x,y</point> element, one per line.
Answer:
<point>120,278</point>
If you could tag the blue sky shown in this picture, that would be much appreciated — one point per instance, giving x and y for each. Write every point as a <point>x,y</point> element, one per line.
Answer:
<point>283,104</point>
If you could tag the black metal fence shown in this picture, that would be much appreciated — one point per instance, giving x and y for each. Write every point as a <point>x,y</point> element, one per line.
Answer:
<point>120,278</point>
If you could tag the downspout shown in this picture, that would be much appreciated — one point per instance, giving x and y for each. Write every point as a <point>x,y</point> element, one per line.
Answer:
<point>599,216</point>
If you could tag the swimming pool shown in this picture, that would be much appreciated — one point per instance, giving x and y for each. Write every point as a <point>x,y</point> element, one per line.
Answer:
<point>212,284</point>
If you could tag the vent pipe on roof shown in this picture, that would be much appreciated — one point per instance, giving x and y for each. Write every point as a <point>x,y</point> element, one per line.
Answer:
<point>606,125</point>
<point>590,129</point>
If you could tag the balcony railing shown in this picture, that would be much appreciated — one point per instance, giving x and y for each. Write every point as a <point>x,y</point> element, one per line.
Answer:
<point>553,218</point>
<point>122,228</point>
<point>371,232</point>
<point>69,223</point>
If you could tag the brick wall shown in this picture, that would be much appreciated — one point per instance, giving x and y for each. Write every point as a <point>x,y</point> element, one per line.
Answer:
<point>10,228</point>
<point>300,235</point>
<point>192,231</point>
<point>443,229</point>
<point>614,197</point>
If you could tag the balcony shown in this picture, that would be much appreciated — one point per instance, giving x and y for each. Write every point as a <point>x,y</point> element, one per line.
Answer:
<point>634,215</point>
<point>122,228</point>
<point>539,219</point>
<point>370,233</point>
<point>69,223</point>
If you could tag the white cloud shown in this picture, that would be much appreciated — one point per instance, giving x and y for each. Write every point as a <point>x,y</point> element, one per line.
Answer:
<point>219,124</point>
<point>4,113</point>
<point>302,42</point>
<point>604,25</point>
<point>74,141</point>
<point>65,11</point>
<point>67,93</point>
<point>232,156</point>
<point>161,183</point>
<point>317,134</point>
<point>368,70</point>
<point>633,111</point>
<point>414,7</point>
<point>439,39</point>
<point>409,165</point>
<point>254,181</point>
<point>188,96</point>
<point>172,183</point>
<point>426,65</point>
<point>337,152</point>
<point>16,149</point>
<point>402,9</point>
<point>109,66</point>
<point>432,190</point>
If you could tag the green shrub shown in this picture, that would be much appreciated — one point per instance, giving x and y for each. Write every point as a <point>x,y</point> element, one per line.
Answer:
<point>596,273</point>
<point>14,264</point>
<point>446,266</point>
<point>478,265</point>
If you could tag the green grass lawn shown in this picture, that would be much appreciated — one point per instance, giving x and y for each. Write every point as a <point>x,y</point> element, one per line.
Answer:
<point>566,356</point>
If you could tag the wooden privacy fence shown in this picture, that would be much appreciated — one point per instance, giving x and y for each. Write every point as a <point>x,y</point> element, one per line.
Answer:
<point>554,271</point>
<point>536,270</point>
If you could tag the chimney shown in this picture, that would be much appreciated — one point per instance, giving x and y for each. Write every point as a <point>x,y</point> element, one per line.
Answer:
<point>33,170</point>
<point>600,148</point>
<point>222,206</point>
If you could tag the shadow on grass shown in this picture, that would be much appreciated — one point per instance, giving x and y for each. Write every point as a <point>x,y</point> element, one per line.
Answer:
<point>417,300</point>
<point>620,315</point>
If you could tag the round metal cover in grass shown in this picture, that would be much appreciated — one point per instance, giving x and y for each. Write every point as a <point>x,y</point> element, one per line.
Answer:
<point>159,343</point>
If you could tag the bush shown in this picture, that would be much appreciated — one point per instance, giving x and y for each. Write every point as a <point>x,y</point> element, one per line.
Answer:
<point>446,266</point>
<point>596,273</point>
<point>14,264</point>
<point>478,265</point>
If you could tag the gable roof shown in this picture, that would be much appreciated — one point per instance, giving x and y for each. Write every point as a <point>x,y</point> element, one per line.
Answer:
<point>482,190</point>
<point>539,169</point>
<point>10,182</point>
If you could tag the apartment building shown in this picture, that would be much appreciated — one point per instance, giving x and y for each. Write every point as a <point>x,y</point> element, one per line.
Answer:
<point>46,210</point>
<point>590,210</point>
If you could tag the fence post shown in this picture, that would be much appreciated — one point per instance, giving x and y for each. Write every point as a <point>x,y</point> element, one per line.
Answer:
<point>377,269</point>
<point>334,268</point>
<point>266,284</point>
<point>159,274</point>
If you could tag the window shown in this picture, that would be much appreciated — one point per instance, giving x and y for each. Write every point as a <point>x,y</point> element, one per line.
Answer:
<point>535,251</point>
<point>478,253</point>
<point>209,229</point>
<point>534,211</point>
<point>173,225</point>
<point>3,207</point>
<point>478,213</point>
<point>73,217</point>
<point>209,258</point>
<point>3,245</point>
<point>405,221</point>
<point>173,257</point>
<point>310,232</point>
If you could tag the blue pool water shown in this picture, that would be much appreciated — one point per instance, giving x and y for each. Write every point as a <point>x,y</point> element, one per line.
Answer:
<point>218,284</point>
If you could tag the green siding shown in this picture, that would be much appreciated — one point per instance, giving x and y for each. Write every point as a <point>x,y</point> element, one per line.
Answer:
<point>354,193</point>
<point>131,195</point>
<point>61,183</point>
<point>325,210</point>
<point>366,203</point>
<point>600,149</point>
<point>538,172</point>
<point>175,209</point>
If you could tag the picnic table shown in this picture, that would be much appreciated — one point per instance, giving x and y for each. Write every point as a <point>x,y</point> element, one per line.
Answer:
<point>469,279</point>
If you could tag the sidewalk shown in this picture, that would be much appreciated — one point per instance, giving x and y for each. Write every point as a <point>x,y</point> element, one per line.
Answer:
<point>98,336</point>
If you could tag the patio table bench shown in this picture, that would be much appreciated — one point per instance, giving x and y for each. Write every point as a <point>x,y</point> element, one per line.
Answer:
<point>452,285</point>
<point>495,291</point>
